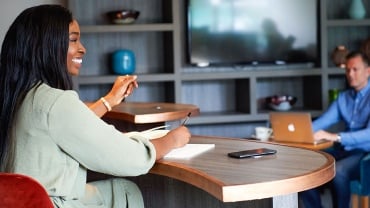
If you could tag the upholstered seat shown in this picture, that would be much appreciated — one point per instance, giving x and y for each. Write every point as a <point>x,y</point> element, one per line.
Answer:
<point>360,189</point>
<point>18,190</point>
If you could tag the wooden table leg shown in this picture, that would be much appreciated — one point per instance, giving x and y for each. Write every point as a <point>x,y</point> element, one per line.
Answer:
<point>364,201</point>
<point>354,201</point>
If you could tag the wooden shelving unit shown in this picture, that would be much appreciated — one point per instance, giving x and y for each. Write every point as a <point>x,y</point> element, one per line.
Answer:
<point>230,99</point>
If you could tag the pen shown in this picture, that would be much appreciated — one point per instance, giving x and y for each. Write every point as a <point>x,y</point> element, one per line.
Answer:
<point>186,119</point>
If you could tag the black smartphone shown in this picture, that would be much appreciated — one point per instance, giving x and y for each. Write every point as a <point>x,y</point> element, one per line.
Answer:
<point>252,153</point>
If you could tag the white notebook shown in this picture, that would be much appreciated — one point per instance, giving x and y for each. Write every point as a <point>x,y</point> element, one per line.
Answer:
<point>185,152</point>
<point>188,151</point>
<point>150,133</point>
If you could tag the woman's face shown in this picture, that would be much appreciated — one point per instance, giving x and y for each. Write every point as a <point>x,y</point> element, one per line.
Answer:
<point>75,49</point>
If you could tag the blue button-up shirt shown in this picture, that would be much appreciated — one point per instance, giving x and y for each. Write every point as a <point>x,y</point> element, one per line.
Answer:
<point>353,108</point>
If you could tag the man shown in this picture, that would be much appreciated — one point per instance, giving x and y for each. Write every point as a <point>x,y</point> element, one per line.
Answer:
<point>353,108</point>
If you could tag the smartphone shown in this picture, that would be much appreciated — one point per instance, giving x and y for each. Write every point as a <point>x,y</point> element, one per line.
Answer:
<point>251,153</point>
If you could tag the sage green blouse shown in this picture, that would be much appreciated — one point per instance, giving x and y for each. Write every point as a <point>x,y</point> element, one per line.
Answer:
<point>58,138</point>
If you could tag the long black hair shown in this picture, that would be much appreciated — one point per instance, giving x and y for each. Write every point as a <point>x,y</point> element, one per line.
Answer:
<point>34,51</point>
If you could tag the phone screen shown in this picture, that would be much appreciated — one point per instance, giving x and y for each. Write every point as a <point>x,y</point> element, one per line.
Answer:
<point>252,153</point>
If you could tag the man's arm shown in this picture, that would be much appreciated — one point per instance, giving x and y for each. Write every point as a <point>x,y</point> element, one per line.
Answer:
<point>330,117</point>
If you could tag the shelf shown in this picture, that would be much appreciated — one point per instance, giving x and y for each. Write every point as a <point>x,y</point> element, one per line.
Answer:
<point>109,79</point>
<point>239,117</point>
<point>251,73</point>
<point>219,118</point>
<point>127,28</point>
<point>348,22</point>
<point>313,112</point>
<point>335,71</point>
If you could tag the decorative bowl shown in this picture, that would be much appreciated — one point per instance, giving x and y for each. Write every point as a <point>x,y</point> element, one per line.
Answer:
<point>124,16</point>
<point>281,102</point>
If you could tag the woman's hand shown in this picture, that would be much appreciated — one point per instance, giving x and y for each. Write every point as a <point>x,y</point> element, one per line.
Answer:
<point>180,136</point>
<point>122,88</point>
<point>173,139</point>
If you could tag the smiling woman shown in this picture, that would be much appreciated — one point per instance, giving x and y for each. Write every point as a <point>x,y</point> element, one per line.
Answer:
<point>48,133</point>
<point>75,49</point>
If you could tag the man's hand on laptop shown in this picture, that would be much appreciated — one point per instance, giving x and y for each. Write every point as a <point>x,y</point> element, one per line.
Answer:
<point>321,134</point>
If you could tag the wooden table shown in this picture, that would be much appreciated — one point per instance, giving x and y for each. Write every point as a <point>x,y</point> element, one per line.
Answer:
<point>212,179</point>
<point>228,180</point>
<point>132,116</point>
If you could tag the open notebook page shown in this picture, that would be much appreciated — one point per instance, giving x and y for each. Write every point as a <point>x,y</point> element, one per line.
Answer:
<point>185,152</point>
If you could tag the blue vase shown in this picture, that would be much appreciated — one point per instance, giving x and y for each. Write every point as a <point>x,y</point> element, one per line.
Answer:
<point>123,62</point>
<point>357,9</point>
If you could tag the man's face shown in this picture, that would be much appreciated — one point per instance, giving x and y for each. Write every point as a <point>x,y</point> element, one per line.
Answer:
<point>357,73</point>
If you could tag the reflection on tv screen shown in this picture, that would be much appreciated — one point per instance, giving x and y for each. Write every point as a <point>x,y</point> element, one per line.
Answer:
<point>249,31</point>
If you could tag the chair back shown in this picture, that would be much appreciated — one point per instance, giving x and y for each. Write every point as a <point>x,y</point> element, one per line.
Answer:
<point>17,190</point>
<point>360,189</point>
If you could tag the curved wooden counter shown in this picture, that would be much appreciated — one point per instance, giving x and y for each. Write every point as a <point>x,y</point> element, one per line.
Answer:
<point>291,170</point>
<point>144,113</point>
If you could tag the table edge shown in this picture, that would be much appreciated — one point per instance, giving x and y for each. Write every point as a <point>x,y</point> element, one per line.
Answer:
<point>233,193</point>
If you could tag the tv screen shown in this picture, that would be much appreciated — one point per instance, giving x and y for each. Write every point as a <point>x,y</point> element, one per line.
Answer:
<point>236,32</point>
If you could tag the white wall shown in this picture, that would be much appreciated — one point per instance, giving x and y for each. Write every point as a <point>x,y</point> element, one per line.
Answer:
<point>10,9</point>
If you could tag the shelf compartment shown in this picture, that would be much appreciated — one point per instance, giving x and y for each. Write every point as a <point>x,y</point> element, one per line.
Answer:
<point>146,92</point>
<point>350,37</point>
<point>127,28</point>
<point>154,92</point>
<point>337,82</point>
<point>218,96</point>
<point>307,89</point>
<point>339,9</point>
<point>153,52</point>
<point>94,11</point>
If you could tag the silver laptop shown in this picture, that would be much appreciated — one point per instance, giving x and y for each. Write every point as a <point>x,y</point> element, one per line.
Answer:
<point>293,127</point>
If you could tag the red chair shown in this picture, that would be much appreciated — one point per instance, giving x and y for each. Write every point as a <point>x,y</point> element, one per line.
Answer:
<point>18,190</point>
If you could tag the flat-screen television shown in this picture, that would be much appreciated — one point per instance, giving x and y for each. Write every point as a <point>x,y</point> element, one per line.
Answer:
<point>250,32</point>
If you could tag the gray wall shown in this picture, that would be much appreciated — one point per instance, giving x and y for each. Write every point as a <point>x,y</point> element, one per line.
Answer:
<point>11,8</point>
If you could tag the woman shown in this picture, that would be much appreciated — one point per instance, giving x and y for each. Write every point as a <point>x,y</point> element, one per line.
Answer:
<point>49,134</point>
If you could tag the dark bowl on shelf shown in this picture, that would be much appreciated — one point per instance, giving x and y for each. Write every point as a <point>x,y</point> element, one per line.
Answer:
<point>124,16</point>
<point>281,102</point>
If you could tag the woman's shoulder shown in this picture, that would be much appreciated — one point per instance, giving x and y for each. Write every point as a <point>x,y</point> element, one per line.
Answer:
<point>44,95</point>
<point>46,90</point>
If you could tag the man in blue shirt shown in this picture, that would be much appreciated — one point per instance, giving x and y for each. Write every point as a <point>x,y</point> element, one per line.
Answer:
<point>353,108</point>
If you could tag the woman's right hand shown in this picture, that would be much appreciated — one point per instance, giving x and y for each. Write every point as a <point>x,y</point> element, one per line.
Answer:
<point>180,136</point>
<point>173,139</point>
<point>122,87</point>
